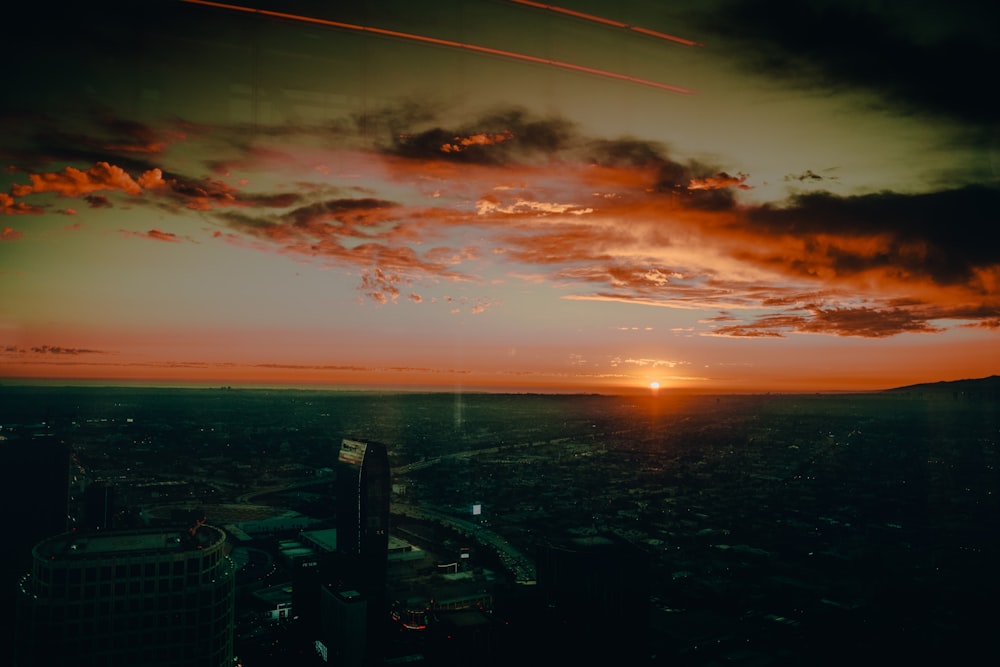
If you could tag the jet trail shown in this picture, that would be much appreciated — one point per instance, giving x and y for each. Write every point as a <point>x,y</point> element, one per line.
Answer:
<point>445,42</point>
<point>611,22</point>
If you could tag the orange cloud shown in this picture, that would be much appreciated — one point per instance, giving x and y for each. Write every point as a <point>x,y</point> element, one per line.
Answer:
<point>458,144</point>
<point>719,181</point>
<point>381,286</point>
<point>8,206</point>
<point>10,234</point>
<point>596,219</point>
<point>73,182</point>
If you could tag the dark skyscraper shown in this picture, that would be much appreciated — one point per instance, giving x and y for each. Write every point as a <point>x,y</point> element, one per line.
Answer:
<point>363,529</point>
<point>363,500</point>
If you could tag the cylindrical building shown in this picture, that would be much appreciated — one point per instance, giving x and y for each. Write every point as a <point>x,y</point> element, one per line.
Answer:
<point>132,597</point>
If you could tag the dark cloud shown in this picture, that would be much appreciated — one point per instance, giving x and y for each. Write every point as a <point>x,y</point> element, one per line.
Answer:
<point>864,322</point>
<point>809,176</point>
<point>944,236</point>
<point>496,138</point>
<point>699,186</point>
<point>92,133</point>
<point>630,152</point>
<point>98,201</point>
<point>720,181</point>
<point>921,56</point>
<point>348,213</point>
<point>50,349</point>
<point>209,194</point>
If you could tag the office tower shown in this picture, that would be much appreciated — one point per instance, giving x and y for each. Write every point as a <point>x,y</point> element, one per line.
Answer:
<point>363,489</point>
<point>363,500</point>
<point>132,597</point>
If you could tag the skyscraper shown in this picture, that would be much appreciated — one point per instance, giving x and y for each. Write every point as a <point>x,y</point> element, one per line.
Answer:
<point>363,500</point>
<point>129,597</point>
<point>363,489</point>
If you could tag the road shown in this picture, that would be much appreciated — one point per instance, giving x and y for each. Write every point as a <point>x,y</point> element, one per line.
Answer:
<point>517,563</point>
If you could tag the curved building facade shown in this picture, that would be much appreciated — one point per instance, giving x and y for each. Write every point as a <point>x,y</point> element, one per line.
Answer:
<point>363,499</point>
<point>363,490</point>
<point>132,597</point>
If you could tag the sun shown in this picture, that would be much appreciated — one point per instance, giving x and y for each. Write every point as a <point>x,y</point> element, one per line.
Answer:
<point>654,385</point>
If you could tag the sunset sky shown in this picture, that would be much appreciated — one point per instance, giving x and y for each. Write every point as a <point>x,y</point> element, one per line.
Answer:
<point>499,195</point>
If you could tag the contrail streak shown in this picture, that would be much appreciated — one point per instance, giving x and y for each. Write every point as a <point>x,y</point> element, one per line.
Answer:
<point>606,21</point>
<point>445,42</point>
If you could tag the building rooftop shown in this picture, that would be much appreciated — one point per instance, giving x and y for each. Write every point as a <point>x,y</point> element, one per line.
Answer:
<point>325,540</point>
<point>127,542</point>
<point>275,594</point>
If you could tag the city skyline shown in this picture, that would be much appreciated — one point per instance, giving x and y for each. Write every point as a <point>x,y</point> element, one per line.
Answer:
<point>490,195</point>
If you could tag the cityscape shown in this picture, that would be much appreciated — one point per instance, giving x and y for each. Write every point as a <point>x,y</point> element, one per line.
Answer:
<point>760,529</point>
<point>478,333</point>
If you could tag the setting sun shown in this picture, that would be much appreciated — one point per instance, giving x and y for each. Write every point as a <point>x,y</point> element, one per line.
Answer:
<point>429,194</point>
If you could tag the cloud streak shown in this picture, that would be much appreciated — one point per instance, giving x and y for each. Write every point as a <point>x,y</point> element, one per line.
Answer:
<point>47,350</point>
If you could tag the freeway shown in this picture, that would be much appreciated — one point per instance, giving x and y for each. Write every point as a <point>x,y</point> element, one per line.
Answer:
<point>517,563</point>
<point>466,454</point>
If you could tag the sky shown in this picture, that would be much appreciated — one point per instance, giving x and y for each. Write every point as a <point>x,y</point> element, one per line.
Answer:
<point>495,195</point>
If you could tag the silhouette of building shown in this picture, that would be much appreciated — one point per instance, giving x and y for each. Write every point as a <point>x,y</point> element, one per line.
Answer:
<point>363,501</point>
<point>36,493</point>
<point>128,597</point>
<point>34,499</point>
<point>344,627</point>
<point>469,638</point>
<point>594,600</point>
<point>363,489</point>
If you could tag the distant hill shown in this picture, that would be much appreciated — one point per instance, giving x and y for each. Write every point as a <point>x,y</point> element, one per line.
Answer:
<point>982,386</point>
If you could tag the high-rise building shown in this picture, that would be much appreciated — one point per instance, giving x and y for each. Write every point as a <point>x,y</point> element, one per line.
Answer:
<point>363,500</point>
<point>363,489</point>
<point>129,597</point>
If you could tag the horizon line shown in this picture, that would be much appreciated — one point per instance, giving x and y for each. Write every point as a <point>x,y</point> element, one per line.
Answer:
<point>104,383</point>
